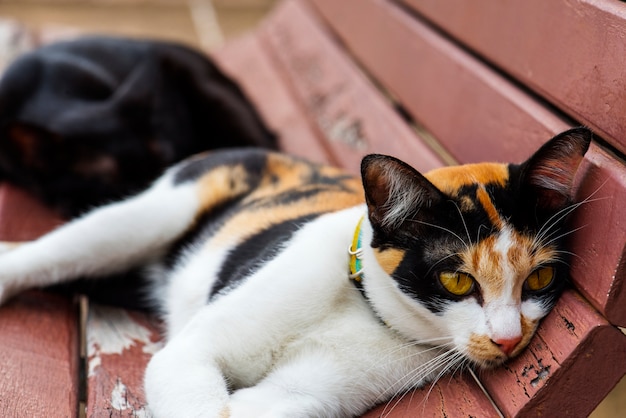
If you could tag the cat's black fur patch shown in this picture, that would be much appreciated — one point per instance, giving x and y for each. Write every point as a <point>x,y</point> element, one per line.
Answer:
<point>246,258</point>
<point>252,160</point>
<point>425,256</point>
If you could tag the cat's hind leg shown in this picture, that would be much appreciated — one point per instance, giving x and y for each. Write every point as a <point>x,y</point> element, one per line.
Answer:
<point>108,240</point>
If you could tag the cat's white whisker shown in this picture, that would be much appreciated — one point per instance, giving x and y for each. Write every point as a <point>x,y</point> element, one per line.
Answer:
<point>568,254</point>
<point>555,219</point>
<point>469,239</point>
<point>564,234</point>
<point>441,260</point>
<point>454,234</point>
<point>480,227</point>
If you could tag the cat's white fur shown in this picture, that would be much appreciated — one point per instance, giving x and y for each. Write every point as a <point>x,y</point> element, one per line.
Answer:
<point>293,358</point>
<point>301,359</point>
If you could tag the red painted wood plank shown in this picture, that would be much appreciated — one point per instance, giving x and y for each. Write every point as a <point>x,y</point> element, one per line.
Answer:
<point>342,103</point>
<point>457,396</point>
<point>22,217</point>
<point>39,355</point>
<point>119,346</point>
<point>475,113</point>
<point>39,333</point>
<point>570,52</point>
<point>600,243</point>
<point>246,60</point>
<point>573,362</point>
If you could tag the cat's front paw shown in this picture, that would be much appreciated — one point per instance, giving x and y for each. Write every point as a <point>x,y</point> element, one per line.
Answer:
<point>247,409</point>
<point>254,403</point>
<point>245,403</point>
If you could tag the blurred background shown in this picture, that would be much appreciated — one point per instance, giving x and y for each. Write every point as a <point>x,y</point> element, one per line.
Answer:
<point>201,23</point>
<point>205,24</point>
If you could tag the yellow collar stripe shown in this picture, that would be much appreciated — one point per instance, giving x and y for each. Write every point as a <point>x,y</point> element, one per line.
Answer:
<point>356,252</point>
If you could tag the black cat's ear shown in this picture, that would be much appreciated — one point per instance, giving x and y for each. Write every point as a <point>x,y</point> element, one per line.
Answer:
<point>395,191</point>
<point>549,173</point>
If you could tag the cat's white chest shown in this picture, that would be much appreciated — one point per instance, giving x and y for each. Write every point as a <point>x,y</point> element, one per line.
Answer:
<point>303,286</point>
<point>298,315</point>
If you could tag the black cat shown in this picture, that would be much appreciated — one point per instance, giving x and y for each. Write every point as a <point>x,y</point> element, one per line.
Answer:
<point>88,121</point>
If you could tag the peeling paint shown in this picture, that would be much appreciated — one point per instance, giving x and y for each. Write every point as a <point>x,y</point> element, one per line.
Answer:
<point>542,374</point>
<point>569,325</point>
<point>119,401</point>
<point>346,130</point>
<point>118,396</point>
<point>111,331</point>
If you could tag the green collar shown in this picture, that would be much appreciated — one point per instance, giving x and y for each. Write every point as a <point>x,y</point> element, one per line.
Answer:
<point>356,269</point>
<point>356,253</point>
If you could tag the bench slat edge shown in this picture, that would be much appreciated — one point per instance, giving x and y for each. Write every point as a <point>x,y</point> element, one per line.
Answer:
<point>353,116</point>
<point>566,51</point>
<point>39,347</point>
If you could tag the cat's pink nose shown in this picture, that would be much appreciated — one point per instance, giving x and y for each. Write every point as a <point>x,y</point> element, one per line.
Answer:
<point>507,345</point>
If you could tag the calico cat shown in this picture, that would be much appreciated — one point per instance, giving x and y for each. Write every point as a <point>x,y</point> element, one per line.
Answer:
<point>296,290</point>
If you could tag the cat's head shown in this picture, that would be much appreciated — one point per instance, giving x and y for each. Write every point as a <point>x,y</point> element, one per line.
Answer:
<point>471,257</point>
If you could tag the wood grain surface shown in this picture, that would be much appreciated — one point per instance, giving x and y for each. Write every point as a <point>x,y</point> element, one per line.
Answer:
<point>475,113</point>
<point>22,217</point>
<point>39,355</point>
<point>353,116</point>
<point>567,51</point>
<point>600,240</point>
<point>266,89</point>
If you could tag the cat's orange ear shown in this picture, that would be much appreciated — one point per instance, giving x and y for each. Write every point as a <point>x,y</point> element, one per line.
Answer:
<point>395,191</point>
<point>549,173</point>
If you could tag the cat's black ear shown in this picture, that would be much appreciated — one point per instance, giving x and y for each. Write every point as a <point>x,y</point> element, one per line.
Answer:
<point>549,173</point>
<point>395,191</point>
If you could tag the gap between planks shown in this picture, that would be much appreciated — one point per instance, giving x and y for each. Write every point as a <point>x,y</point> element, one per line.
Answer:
<point>83,306</point>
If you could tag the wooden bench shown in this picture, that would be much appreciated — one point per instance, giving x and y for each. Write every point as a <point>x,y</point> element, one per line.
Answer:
<point>433,83</point>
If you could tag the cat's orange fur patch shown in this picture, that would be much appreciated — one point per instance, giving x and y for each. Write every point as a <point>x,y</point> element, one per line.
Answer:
<point>481,261</point>
<point>528,330</point>
<point>221,184</point>
<point>486,263</point>
<point>281,175</point>
<point>389,259</point>
<point>451,179</point>
<point>489,207</point>
<point>225,413</point>
<point>480,347</point>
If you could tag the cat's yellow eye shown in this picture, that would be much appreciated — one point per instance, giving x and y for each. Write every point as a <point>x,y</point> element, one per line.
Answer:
<point>540,278</point>
<point>459,284</point>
